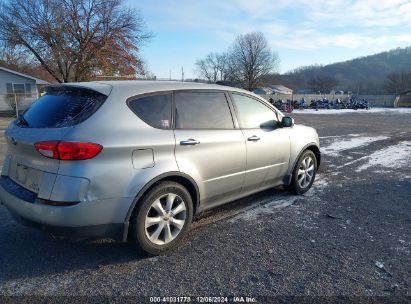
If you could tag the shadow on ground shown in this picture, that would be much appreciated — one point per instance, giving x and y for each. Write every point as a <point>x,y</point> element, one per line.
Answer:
<point>22,246</point>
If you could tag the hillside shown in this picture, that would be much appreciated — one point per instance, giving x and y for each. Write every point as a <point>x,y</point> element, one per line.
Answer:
<point>367,74</point>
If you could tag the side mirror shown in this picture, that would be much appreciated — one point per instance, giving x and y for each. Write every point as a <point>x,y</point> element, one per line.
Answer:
<point>287,122</point>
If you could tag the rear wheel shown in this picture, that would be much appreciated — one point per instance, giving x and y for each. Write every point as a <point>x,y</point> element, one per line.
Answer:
<point>304,173</point>
<point>162,218</point>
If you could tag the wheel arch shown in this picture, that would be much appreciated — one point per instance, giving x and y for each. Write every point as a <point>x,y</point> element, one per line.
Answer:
<point>312,147</point>
<point>178,177</point>
<point>316,152</point>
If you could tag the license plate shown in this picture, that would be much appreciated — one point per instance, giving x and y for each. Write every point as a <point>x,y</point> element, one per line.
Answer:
<point>21,173</point>
<point>27,177</point>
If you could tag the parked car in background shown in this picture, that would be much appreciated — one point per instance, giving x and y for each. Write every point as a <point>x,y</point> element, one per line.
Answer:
<point>135,160</point>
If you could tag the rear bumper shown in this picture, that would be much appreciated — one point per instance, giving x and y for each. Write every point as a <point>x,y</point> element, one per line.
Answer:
<point>97,218</point>
<point>113,231</point>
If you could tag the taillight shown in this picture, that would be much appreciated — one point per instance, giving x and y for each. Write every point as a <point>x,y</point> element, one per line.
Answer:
<point>68,150</point>
<point>77,150</point>
<point>48,148</point>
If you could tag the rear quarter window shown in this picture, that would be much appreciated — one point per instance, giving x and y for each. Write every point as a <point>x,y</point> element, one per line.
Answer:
<point>62,107</point>
<point>155,110</point>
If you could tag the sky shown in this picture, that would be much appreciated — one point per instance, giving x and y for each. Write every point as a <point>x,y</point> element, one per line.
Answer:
<point>302,32</point>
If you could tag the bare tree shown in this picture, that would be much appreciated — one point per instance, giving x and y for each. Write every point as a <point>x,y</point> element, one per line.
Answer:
<point>222,66</point>
<point>252,60</point>
<point>213,67</point>
<point>75,40</point>
<point>204,70</point>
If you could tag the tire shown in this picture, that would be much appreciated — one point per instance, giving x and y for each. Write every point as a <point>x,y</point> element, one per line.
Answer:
<point>299,185</point>
<point>155,229</point>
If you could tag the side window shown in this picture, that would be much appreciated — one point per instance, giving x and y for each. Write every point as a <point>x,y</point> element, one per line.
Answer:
<point>202,110</point>
<point>154,110</point>
<point>28,89</point>
<point>253,114</point>
<point>19,88</point>
<point>9,87</point>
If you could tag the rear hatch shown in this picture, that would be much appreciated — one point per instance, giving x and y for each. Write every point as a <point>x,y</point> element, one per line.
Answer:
<point>49,118</point>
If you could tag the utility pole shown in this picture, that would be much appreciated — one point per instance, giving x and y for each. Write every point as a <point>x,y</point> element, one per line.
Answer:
<point>170,74</point>
<point>182,74</point>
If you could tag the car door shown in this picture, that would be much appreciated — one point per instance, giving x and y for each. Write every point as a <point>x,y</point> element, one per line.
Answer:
<point>267,143</point>
<point>208,146</point>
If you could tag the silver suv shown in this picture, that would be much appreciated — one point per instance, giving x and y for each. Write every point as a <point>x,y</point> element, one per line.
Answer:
<point>135,160</point>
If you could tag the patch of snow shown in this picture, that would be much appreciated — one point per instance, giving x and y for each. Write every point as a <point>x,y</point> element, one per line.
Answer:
<point>394,157</point>
<point>359,153</point>
<point>335,136</point>
<point>352,162</point>
<point>350,111</point>
<point>344,144</point>
<point>267,208</point>
<point>320,183</point>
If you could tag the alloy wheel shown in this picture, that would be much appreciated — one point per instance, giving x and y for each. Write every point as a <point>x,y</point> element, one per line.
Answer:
<point>305,172</point>
<point>165,219</point>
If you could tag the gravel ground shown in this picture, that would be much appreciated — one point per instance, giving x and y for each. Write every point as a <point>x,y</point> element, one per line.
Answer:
<point>348,236</point>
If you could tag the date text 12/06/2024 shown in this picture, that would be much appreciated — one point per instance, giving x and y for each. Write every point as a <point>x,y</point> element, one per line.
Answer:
<point>234,299</point>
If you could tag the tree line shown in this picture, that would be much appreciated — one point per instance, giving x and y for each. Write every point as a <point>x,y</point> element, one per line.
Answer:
<point>384,73</point>
<point>398,82</point>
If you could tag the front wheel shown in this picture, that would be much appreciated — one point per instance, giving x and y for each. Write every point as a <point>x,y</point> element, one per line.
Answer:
<point>162,218</point>
<point>304,173</point>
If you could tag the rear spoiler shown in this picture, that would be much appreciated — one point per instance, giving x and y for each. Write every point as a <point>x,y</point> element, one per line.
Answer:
<point>104,89</point>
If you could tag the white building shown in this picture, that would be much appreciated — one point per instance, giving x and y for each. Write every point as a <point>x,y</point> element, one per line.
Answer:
<point>17,88</point>
<point>280,89</point>
<point>273,89</point>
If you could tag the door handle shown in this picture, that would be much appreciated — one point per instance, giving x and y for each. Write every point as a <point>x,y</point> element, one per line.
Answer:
<point>189,142</point>
<point>253,138</point>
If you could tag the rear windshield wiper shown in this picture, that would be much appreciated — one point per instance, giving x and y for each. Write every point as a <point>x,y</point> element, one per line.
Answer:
<point>23,121</point>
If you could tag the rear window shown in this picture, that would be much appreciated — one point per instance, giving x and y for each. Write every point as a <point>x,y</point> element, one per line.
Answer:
<point>62,107</point>
<point>154,110</point>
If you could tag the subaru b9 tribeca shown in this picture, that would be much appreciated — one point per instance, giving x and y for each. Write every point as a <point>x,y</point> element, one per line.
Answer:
<point>135,160</point>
